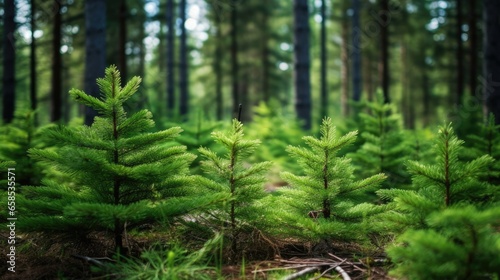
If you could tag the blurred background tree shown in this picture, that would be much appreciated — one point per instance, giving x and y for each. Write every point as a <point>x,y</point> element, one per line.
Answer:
<point>211,55</point>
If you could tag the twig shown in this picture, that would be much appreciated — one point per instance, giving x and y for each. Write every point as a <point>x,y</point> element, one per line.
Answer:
<point>326,271</point>
<point>280,268</point>
<point>95,261</point>
<point>344,260</point>
<point>301,273</point>
<point>344,274</point>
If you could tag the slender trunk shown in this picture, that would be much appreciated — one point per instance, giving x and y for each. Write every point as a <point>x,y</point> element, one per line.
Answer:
<point>302,77</point>
<point>232,214</point>
<point>492,57</point>
<point>447,181</point>
<point>408,105</point>
<point>234,57</point>
<point>384,48</point>
<point>368,68</point>
<point>459,56</point>
<point>426,98</point>
<point>265,56</point>
<point>356,53</point>
<point>326,202</point>
<point>33,95</point>
<point>344,68</point>
<point>56,95</point>
<point>473,49</point>
<point>122,39</point>
<point>170,58</point>
<point>95,50</point>
<point>246,114</point>
<point>183,79</point>
<point>9,62</point>
<point>219,103</point>
<point>116,185</point>
<point>324,90</point>
<point>143,101</point>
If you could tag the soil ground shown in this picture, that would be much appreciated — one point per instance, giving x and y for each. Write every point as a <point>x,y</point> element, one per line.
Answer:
<point>52,257</point>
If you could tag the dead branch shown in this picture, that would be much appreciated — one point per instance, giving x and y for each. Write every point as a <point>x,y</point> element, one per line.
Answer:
<point>95,261</point>
<point>301,273</point>
<point>344,274</point>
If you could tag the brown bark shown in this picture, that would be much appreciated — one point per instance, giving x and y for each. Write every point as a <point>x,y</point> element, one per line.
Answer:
<point>459,56</point>
<point>33,93</point>
<point>56,91</point>
<point>473,49</point>
<point>234,58</point>
<point>384,48</point>
<point>344,68</point>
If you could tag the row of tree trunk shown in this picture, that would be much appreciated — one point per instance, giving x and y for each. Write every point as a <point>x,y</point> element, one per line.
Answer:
<point>95,57</point>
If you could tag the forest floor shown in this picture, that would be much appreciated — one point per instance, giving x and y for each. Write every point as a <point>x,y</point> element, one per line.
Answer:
<point>53,257</point>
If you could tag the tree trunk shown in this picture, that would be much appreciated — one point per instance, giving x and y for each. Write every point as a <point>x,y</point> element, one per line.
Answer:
<point>56,94</point>
<point>219,103</point>
<point>9,62</point>
<point>302,78</point>
<point>473,49</point>
<point>407,102</point>
<point>170,58</point>
<point>384,48</point>
<point>459,56</point>
<point>144,98</point>
<point>324,90</point>
<point>183,79</point>
<point>33,95</point>
<point>356,52</point>
<point>492,57</point>
<point>427,98</point>
<point>122,40</point>
<point>95,50</point>
<point>234,57</point>
<point>265,55</point>
<point>344,68</point>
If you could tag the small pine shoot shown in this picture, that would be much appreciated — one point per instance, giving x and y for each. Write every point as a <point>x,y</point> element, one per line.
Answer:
<point>437,186</point>
<point>487,142</point>
<point>324,203</point>
<point>196,134</point>
<point>233,176</point>
<point>122,175</point>
<point>385,146</point>
<point>17,138</point>
<point>276,132</point>
<point>461,243</point>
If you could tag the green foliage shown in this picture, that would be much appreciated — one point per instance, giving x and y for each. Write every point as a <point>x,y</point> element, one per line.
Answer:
<point>122,175</point>
<point>461,243</point>
<point>17,138</point>
<point>276,132</point>
<point>326,201</point>
<point>233,176</point>
<point>385,146</point>
<point>197,134</point>
<point>175,263</point>
<point>436,186</point>
<point>4,169</point>
<point>487,142</point>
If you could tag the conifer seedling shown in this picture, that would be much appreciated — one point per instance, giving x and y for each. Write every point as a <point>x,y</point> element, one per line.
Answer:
<point>17,138</point>
<point>232,175</point>
<point>384,147</point>
<point>123,175</point>
<point>326,202</point>
<point>460,243</point>
<point>487,142</point>
<point>437,186</point>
